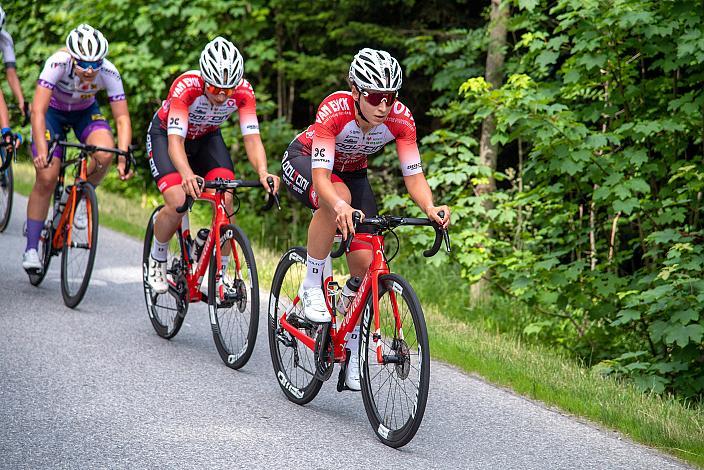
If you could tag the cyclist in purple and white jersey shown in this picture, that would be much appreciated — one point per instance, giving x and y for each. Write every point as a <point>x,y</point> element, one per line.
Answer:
<point>65,99</point>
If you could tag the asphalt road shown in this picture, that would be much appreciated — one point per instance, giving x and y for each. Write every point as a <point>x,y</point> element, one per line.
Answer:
<point>96,387</point>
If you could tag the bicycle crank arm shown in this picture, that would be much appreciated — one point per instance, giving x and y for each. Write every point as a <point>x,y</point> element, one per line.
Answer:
<point>298,322</point>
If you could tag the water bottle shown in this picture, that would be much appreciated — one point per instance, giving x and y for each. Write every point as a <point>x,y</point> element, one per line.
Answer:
<point>59,208</point>
<point>347,294</point>
<point>201,237</point>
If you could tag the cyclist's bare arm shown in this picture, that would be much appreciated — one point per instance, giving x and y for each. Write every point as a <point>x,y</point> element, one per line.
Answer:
<point>420,192</point>
<point>257,157</point>
<point>177,153</point>
<point>14,83</point>
<point>124,133</point>
<point>40,105</point>
<point>4,114</point>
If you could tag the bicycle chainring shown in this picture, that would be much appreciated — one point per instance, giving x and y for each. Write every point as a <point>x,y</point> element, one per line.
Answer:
<point>324,355</point>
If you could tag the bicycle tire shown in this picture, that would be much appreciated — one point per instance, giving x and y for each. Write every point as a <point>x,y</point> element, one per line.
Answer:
<point>296,381</point>
<point>81,251</point>
<point>45,254</point>
<point>7,187</point>
<point>392,431</point>
<point>234,321</point>
<point>166,324</point>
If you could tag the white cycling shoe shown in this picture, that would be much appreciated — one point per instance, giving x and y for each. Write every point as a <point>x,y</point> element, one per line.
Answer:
<point>80,216</point>
<point>30,260</point>
<point>156,277</point>
<point>352,371</point>
<point>314,307</point>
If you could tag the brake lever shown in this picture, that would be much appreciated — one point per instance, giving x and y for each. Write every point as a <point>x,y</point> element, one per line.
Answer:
<point>273,197</point>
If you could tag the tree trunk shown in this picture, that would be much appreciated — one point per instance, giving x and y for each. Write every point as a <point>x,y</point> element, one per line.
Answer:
<point>488,151</point>
<point>280,79</point>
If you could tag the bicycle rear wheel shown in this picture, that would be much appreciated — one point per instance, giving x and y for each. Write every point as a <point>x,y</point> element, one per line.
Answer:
<point>166,311</point>
<point>294,363</point>
<point>395,391</point>
<point>6,190</point>
<point>233,300</point>
<point>79,252</point>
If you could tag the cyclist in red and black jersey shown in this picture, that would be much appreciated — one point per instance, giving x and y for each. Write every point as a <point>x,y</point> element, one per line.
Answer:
<point>325,167</point>
<point>184,141</point>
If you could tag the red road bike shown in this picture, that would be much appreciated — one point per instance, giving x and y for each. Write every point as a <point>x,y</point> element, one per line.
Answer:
<point>394,357</point>
<point>233,293</point>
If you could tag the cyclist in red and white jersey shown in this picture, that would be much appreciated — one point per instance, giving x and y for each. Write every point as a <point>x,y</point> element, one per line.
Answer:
<point>184,141</point>
<point>325,167</point>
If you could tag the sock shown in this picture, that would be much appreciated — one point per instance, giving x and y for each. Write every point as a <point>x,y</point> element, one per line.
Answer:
<point>34,232</point>
<point>314,273</point>
<point>159,250</point>
<point>224,260</point>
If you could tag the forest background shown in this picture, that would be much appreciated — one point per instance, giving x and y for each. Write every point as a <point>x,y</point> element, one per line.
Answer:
<point>567,136</point>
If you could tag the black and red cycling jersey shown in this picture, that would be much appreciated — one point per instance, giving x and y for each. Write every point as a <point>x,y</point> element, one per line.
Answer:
<point>188,112</point>
<point>335,141</point>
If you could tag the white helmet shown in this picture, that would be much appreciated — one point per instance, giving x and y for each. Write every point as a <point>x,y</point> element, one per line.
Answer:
<point>86,43</point>
<point>2,18</point>
<point>375,70</point>
<point>221,64</point>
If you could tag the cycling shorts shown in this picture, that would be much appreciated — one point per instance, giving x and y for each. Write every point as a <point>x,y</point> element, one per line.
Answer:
<point>83,122</point>
<point>298,178</point>
<point>207,156</point>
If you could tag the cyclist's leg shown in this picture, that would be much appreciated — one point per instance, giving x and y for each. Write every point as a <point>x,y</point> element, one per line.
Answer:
<point>297,177</point>
<point>169,183</point>
<point>360,256</point>
<point>45,180</point>
<point>213,161</point>
<point>91,127</point>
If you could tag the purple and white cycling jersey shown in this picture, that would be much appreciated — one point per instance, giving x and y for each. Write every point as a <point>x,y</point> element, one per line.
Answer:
<point>7,47</point>
<point>69,93</point>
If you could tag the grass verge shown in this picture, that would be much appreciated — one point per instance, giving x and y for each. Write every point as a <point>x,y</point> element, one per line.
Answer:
<point>534,371</point>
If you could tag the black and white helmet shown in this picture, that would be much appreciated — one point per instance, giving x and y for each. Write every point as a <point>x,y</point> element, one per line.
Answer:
<point>375,70</point>
<point>2,18</point>
<point>221,64</point>
<point>87,43</point>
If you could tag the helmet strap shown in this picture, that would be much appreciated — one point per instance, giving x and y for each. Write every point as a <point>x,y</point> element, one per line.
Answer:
<point>359,110</point>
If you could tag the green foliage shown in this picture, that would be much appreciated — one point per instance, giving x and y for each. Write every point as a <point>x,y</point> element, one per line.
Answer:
<point>604,106</point>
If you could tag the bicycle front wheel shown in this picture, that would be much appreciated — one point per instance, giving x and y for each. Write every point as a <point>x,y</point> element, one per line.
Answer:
<point>79,251</point>
<point>395,388</point>
<point>233,299</point>
<point>6,189</point>
<point>294,363</point>
<point>166,311</point>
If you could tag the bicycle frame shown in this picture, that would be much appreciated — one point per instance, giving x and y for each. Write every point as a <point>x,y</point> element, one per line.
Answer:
<point>369,285</point>
<point>194,277</point>
<point>65,226</point>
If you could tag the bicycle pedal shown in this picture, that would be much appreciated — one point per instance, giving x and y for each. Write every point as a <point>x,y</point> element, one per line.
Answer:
<point>34,271</point>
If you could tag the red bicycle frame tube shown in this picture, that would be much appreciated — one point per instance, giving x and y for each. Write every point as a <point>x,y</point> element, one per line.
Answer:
<point>370,281</point>
<point>220,219</point>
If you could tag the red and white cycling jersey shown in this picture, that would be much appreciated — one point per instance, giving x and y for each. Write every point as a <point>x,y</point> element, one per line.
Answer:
<point>188,113</point>
<point>335,141</point>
